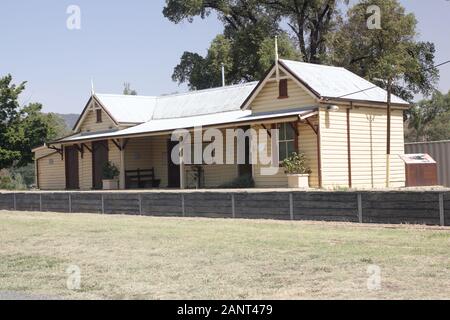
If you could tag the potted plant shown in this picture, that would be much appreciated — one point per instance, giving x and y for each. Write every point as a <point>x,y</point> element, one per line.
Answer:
<point>110,176</point>
<point>297,170</point>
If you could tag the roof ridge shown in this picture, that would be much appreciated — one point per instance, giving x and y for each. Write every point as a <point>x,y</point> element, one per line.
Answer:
<point>313,64</point>
<point>209,89</point>
<point>181,93</point>
<point>200,115</point>
<point>125,95</point>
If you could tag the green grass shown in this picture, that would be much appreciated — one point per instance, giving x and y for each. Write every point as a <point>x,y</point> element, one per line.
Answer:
<point>124,257</point>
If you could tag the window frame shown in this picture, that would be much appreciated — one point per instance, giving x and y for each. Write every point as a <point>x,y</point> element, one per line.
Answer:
<point>283,92</point>
<point>98,115</point>
<point>286,141</point>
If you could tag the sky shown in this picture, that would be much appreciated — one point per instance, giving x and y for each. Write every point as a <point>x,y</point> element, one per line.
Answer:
<point>129,41</point>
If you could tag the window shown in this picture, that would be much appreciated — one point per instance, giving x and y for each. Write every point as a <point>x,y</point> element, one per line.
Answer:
<point>283,89</point>
<point>99,115</point>
<point>286,140</point>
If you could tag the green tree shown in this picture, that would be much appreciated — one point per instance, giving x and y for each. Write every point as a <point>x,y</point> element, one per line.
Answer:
<point>9,114</point>
<point>249,29</point>
<point>314,31</point>
<point>128,91</point>
<point>33,129</point>
<point>391,52</point>
<point>240,63</point>
<point>429,119</point>
<point>309,22</point>
<point>23,128</point>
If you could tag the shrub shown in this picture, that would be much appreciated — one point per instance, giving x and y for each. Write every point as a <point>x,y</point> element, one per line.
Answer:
<point>296,164</point>
<point>10,181</point>
<point>241,182</point>
<point>110,171</point>
<point>25,174</point>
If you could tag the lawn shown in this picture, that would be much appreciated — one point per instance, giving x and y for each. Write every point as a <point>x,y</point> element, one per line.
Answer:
<point>124,257</point>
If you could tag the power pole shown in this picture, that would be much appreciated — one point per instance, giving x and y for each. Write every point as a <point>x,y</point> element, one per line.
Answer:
<point>388,135</point>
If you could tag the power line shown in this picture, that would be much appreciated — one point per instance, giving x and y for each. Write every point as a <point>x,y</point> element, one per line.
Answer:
<point>349,94</point>
<point>441,64</point>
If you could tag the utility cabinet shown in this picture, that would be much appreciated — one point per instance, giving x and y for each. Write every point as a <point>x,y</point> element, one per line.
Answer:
<point>421,170</point>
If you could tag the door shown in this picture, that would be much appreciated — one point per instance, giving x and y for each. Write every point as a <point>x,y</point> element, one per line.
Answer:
<point>173,169</point>
<point>72,177</point>
<point>99,160</point>
<point>245,169</point>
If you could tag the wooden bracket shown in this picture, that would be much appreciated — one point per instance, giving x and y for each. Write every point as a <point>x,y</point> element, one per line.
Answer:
<point>60,151</point>
<point>117,144</point>
<point>80,149</point>
<point>120,146</point>
<point>125,143</point>
<point>315,129</point>
<point>85,146</point>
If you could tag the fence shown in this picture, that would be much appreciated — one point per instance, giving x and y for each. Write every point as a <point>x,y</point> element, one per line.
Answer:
<point>439,151</point>
<point>413,207</point>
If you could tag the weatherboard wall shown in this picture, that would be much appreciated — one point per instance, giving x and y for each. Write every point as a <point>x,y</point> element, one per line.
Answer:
<point>267,99</point>
<point>51,171</point>
<point>368,136</point>
<point>90,123</point>
<point>368,140</point>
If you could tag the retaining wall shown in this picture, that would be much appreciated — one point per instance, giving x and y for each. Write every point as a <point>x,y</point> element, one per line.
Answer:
<point>413,207</point>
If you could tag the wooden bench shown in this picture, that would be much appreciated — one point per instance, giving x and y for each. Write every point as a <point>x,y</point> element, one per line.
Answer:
<point>141,179</point>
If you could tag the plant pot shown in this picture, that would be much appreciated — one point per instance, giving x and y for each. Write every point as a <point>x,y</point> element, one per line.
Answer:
<point>298,181</point>
<point>110,184</point>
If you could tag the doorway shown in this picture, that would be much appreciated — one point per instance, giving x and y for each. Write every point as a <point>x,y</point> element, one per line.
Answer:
<point>72,166</point>
<point>99,160</point>
<point>173,173</point>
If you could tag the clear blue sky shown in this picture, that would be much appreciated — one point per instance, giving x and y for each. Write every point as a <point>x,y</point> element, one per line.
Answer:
<point>128,41</point>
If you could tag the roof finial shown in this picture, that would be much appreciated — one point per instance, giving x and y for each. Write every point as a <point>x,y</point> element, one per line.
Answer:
<point>277,68</point>
<point>276,48</point>
<point>92,87</point>
<point>223,74</point>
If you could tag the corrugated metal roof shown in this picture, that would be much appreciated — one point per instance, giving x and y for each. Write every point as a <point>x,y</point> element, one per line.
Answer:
<point>336,82</point>
<point>164,125</point>
<point>128,109</point>
<point>202,102</point>
<point>327,81</point>
<point>140,109</point>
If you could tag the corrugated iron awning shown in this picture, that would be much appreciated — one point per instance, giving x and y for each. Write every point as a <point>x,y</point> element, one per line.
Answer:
<point>165,126</point>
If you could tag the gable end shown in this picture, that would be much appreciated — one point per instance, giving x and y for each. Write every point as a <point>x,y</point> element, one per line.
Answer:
<point>268,77</point>
<point>87,110</point>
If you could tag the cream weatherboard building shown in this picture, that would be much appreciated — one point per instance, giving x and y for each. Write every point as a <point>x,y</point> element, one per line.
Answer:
<point>336,118</point>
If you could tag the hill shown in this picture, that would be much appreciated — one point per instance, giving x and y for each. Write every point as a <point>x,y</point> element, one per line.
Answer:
<point>70,119</point>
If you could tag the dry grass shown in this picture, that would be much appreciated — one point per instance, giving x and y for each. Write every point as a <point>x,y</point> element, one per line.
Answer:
<point>125,257</point>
